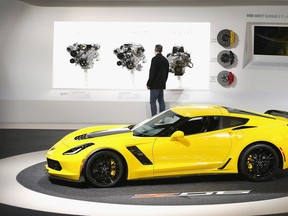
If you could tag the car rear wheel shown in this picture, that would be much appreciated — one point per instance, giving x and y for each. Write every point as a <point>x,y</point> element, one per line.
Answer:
<point>259,162</point>
<point>104,169</point>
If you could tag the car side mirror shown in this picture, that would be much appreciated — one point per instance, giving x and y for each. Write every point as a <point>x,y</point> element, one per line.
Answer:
<point>177,135</point>
<point>180,137</point>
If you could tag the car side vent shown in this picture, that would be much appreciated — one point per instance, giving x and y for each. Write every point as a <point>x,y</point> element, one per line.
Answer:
<point>139,155</point>
<point>243,127</point>
<point>227,162</point>
<point>81,137</point>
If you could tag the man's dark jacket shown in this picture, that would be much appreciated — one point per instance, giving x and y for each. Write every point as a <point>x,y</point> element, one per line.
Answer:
<point>158,73</point>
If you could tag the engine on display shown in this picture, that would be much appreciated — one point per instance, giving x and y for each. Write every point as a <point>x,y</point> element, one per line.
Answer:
<point>84,54</point>
<point>179,60</point>
<point>131,56</point>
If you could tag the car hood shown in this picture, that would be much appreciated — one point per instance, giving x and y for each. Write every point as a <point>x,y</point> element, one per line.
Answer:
<point>84,135</point>
<point>101,133</point>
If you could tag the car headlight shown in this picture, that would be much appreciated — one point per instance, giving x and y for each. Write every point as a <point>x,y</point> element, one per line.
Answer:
<point>77,149</point>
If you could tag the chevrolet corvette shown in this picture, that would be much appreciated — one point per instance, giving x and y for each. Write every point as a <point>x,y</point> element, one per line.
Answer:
<point>181,141</point>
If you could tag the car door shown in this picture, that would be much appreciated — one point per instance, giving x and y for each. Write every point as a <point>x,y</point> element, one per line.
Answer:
<point>202,146</point>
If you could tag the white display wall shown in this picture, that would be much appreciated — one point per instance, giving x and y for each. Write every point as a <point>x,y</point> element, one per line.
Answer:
<point>33,90</point>
<point>106,74</point>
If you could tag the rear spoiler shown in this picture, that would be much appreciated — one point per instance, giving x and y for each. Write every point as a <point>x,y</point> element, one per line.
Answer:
<point>280,113</point>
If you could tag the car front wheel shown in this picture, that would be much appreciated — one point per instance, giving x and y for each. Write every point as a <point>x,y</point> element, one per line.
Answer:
<point>259,162</point>
<point>104,169</point>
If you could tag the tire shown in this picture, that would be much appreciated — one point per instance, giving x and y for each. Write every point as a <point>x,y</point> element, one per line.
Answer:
<point>104,169</point>
<point>259,163</point>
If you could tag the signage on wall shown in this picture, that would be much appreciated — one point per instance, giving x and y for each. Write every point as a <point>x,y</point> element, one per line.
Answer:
<point>267,16</point>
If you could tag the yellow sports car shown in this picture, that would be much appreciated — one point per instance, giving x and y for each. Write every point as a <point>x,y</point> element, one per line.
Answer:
<point>184,140</point>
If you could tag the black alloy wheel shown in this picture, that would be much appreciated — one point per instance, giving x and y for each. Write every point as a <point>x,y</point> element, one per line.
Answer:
<point>259,162</point>
<point>104,169</point>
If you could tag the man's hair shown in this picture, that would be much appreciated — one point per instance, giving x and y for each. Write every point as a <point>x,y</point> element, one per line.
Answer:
<point>158,48</point>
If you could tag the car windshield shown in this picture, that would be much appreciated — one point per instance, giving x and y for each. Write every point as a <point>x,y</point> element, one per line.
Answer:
<point>157,124</point>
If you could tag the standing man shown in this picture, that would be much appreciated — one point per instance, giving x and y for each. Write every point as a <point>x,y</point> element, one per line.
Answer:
<point>158,76</point>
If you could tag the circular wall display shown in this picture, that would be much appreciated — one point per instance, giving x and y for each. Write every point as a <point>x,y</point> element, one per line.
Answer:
<point>225,78</point>
<point>226,58</point>
<point>226,38</point>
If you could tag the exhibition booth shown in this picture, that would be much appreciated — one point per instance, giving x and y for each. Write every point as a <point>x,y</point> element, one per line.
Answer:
<point>70,64</point>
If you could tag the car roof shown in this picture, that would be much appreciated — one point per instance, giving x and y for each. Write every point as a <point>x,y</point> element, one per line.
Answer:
<point>199,109</point>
